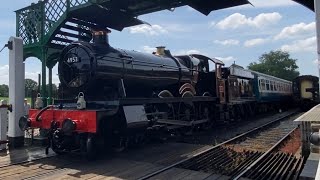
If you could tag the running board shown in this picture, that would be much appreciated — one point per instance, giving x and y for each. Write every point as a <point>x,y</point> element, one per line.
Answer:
<point>181,123</point>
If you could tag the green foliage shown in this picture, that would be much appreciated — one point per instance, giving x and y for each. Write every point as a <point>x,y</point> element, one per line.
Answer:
<point>4,90</point>
<point>29,86</point>
<point>54,90</point>
<point>276,63</point>
<point>54,87</point>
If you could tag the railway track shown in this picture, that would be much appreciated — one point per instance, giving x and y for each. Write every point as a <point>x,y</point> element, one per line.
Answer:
<point>252,155</point>
<point>152,160</point>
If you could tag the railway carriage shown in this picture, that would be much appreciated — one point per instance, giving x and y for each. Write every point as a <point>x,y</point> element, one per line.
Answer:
<point>306,91</point>
<point>272,89</point>
<point>249,92</point>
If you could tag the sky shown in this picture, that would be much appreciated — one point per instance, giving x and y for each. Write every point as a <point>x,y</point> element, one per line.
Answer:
<point>240,34</point>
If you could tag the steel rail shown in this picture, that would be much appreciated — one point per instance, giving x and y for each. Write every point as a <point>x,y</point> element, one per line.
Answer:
<point>265,154</point>
<point>214,147</point>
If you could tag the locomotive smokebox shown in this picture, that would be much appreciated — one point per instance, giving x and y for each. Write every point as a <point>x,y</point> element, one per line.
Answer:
<point>101,36</point>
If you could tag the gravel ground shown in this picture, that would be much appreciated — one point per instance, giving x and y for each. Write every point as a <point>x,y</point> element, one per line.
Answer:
<point>292,145</point>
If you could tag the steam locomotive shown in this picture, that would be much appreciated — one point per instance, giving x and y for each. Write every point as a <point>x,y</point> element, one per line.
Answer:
<point>124,95</point>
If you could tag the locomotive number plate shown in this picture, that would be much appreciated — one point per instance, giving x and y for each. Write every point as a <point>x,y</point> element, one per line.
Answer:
<point>73,60</point>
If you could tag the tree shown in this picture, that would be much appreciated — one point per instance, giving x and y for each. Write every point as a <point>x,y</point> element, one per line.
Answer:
<point>29,86</point>
<point>54,90</point>
<point>4,90</point>
<point>276,63</point>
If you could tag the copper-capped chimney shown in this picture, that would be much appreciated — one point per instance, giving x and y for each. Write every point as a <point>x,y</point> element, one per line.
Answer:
<point>161,51</point>
<point>101,36</point>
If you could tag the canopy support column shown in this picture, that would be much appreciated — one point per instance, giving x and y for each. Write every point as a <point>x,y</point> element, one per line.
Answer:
<point>44,72</point>
<point>50,87</point>
<point>317,12</point>
<point>16,92</point>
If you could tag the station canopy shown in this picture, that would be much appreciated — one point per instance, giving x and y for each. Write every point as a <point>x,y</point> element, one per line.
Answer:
<point>122,13</point>
<point>53,24</point>
<point>307,3</point>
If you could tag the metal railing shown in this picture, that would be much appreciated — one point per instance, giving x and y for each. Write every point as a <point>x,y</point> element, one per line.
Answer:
<point>37,22</point>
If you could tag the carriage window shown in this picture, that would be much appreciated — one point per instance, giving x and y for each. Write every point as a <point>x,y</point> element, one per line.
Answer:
<point>185,61</point>
<point>212,66</point>
<point>268,85</point>
<point>202,67</point>
<point>260,84</point>
<point>271,85</point>
<point>263,84</point>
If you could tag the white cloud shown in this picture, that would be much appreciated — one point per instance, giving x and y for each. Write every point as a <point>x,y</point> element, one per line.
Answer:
<point>212,24</point>
<point>316,61</point>
<point>32,75</point>
<point>4,74</point>
<point>272,3</point>
<point>238,20</point>
<point>193,51</point>
<point>296,30</point>
<point>254,42</point>
<point>153,30</point>
<point>148,49</point>
<point>305,45</point>
<point>226,59</point>
<point>4,70</point>
<point>227,42</point>
<point>186,52</point>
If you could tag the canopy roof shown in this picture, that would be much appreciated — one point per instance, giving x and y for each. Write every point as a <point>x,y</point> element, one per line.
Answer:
<point>307,3</point>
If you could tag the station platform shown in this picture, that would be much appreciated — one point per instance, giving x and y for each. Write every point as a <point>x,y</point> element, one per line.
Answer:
<point>311,169</point>
<point>313,115</point>
<point>25,154</point>
<point>133,164</point>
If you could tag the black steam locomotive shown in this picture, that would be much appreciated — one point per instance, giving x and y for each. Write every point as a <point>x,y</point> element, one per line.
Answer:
<point>124,95</point>
<point>106,73</point>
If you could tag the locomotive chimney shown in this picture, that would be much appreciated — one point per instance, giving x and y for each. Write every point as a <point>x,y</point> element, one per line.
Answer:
<point>160,50</point>
<point>101,36</point>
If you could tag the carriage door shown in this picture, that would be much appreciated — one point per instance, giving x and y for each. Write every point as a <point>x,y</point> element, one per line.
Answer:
<point>234,89</point>
<point>221,90</point>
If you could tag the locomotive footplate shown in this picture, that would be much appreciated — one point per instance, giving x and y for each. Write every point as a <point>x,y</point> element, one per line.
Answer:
<point>182,123</point>
<point>134,101</point>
